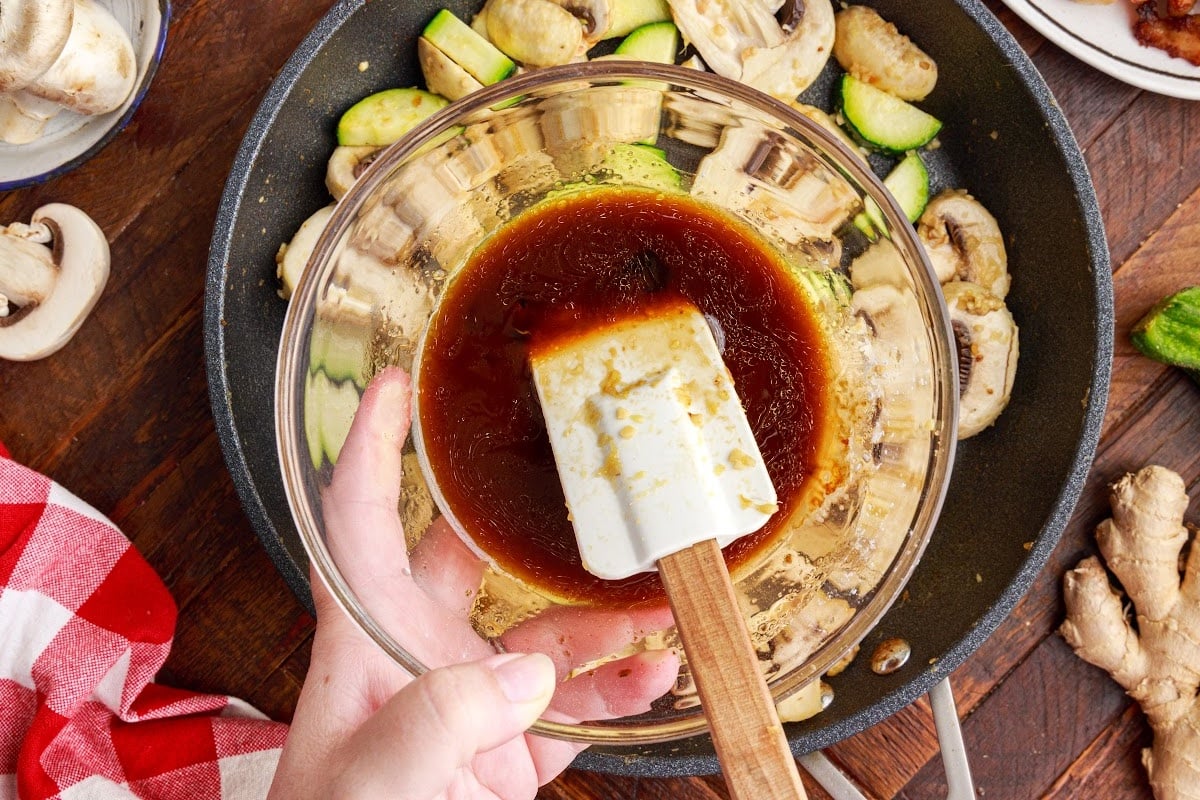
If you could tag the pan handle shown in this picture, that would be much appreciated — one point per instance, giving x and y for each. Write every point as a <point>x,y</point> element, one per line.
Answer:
<point>959,784</point>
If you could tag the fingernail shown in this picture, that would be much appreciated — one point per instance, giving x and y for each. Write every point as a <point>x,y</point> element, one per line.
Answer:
<point>525,678</point>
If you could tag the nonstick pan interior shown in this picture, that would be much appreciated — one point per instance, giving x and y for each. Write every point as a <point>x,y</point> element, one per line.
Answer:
<point>1014,484</point>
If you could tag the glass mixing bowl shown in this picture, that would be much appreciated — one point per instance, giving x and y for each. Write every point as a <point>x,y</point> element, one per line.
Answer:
<point>840,549</point>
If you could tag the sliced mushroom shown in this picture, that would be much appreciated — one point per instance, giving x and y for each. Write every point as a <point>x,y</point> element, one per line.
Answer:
<point>778,185</point>
<point>345,165</point>
<point>442,74</point>
<point>294,255</point>
<point>988,348</point>
<point>33,33</point>
<point>964,242</point>
<point>805,703</point>
<point>52,287</point>
<point>743,40</point>
<point>871,49</point>
<point>881,263</point>
<point>899,359</point>
<point>538,33</point>
<point>95,71</point>
<point>608,19</point>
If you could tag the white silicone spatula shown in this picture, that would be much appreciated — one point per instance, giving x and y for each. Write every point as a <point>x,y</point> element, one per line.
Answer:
<point>660,469</point>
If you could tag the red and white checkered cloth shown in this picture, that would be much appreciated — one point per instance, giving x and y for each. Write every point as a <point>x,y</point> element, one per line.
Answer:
<point>85,624</point>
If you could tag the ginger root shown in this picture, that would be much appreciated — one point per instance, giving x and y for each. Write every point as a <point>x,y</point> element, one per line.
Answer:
<point>1158,663</point>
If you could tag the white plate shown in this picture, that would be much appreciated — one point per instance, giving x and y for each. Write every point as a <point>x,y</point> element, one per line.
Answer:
<point>1102,36</point>
<point>69,138</point>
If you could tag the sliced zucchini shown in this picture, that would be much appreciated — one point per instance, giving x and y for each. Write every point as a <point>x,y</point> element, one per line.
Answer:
<point>442,74</point>
<point>883,121</point>
<point>626,16</point>
<point>829,292</point>
<point>463,45</point>
<point>329,408</point>
<point>340,351</point>
<point>312,420</point>
<point>657,42</point>
<point>642,164</point>
<point>909,184</point>
<point>626,164</point>
<point>382,118</point>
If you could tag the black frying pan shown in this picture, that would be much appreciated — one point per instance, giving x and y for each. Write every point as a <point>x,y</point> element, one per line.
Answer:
<point>1005,139</point>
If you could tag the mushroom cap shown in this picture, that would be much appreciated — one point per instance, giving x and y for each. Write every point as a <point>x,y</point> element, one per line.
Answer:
<point>82,256</point>
<point>96,70</point>
<point>32,35</point>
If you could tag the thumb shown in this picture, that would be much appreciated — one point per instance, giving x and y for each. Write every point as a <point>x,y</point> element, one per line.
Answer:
<point>415,744</point>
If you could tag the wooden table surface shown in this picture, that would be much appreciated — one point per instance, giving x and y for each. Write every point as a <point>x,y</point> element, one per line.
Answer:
<point>122,418</point>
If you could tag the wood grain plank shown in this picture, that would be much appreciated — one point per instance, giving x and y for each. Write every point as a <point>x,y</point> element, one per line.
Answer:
<point>155,295</point>
<point>1142,168</point>
<point>158,263</point>
<point>1041,739</point>
<point>274,690</point>
<point>1111,766</point>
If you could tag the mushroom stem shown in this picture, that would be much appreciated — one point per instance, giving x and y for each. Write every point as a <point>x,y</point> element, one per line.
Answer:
<point>27,269</point>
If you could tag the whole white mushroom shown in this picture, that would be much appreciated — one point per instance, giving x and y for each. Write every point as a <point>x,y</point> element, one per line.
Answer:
<point>57,54</point>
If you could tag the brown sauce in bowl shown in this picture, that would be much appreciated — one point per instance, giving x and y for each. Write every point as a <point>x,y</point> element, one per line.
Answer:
<point>582,260</point>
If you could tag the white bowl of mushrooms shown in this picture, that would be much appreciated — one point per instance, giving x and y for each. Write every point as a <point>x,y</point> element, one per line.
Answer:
<point>71,74</point>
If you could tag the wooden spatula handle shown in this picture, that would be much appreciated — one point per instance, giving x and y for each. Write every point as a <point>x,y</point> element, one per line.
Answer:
<point>745,726</point>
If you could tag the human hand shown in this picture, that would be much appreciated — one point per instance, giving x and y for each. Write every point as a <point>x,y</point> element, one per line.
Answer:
<point>365,728</point>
